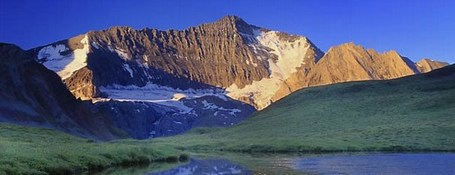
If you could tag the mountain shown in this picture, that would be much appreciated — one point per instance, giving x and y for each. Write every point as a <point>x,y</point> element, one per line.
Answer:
<point>427,65</point>
<point>224,56</point>
<point>214,74</point>
<point>406,114</point>
<point>350,62</point>
<point>30,94</point>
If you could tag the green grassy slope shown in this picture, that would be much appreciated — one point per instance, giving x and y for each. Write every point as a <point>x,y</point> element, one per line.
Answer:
<point>411,113</point>
<point>28,150</point>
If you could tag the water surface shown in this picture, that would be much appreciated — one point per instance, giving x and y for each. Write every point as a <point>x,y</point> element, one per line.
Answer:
<point>326,164</point>
<point>421,163</point>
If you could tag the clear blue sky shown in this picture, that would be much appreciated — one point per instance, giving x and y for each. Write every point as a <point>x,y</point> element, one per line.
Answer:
<point>415,28</point>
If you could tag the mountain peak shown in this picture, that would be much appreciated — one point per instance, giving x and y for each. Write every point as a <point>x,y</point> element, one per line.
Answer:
<point>9,47</point>
<point>346,46</point>
<point>425,60</point>
<point>426,65</point>
<point>236,23</point>
<point>11,52</point>
<point>352,45</point>
<point>392,53</point>
<point>431,61</point>
<point>231,18</point>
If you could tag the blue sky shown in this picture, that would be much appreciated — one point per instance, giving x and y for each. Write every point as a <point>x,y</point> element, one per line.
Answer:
<point>416,29</point>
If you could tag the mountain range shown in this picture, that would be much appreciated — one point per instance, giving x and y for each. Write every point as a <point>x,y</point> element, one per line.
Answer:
<point>150,83</point>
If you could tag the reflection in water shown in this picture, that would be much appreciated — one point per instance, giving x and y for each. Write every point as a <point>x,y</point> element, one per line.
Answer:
<point>358,163</point>
<point>205,166</point>
<point>379,164</point>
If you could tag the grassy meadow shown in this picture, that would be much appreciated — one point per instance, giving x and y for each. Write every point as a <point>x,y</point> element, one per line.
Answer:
<point>28,150</point>
<point>414,113</point>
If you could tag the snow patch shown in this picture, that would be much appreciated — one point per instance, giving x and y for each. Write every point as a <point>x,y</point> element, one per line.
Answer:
<point>290,56</point>
<point>122,54</point>
<point>208,105</point>
<point>290,53</point>
<point>95,45</point>
<point>64,65</point>
<point>233,111</point>
<point>178,96</point>
<point>110,48</point>
<point>163,95</point>
<point>128,68</point>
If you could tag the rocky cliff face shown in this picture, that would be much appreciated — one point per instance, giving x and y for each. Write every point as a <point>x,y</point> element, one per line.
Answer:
<point>30,94</point>
<point>227,54</point>
<point>350,62</point>
<point>213,54</point>
<point>229,60</point>
<point>427,65</point>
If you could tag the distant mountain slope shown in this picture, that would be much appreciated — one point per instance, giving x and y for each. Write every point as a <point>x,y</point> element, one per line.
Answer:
<point>427,65</point>
<point>30,94</point>
<point>411,113</point>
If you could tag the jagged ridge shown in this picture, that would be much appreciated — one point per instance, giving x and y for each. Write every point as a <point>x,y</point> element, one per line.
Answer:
<point>229,54</point>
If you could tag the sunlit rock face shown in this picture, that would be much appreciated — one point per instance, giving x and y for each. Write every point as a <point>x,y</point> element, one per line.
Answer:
<point>427,65</point>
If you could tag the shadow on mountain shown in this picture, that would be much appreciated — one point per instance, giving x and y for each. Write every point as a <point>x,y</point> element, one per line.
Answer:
<point>32,95</point>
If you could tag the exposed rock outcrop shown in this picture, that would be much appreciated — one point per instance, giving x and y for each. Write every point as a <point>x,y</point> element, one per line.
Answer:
<point>427,65</point>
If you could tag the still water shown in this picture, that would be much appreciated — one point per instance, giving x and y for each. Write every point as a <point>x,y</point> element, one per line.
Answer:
<point>356,163</point>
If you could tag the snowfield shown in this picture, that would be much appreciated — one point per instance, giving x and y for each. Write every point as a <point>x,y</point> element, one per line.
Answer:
<point>159,94</point>
<point>208,105</point>
<point>290,56</point>
<point>64,65</point>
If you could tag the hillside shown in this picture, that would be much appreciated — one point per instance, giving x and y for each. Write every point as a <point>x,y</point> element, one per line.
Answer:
<point>30,150</point>
<point>411,113</point>
<point>30,94</point>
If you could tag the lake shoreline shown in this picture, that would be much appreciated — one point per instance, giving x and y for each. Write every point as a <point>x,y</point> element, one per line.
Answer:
<point>257,163</point>
<point>213,153</point>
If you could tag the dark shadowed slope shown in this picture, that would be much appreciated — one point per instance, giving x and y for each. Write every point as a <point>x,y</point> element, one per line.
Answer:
<point>30,94</point>
<point>411,113</point>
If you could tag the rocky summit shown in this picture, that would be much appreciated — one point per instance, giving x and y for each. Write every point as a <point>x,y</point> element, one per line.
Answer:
<point>155,83</point>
